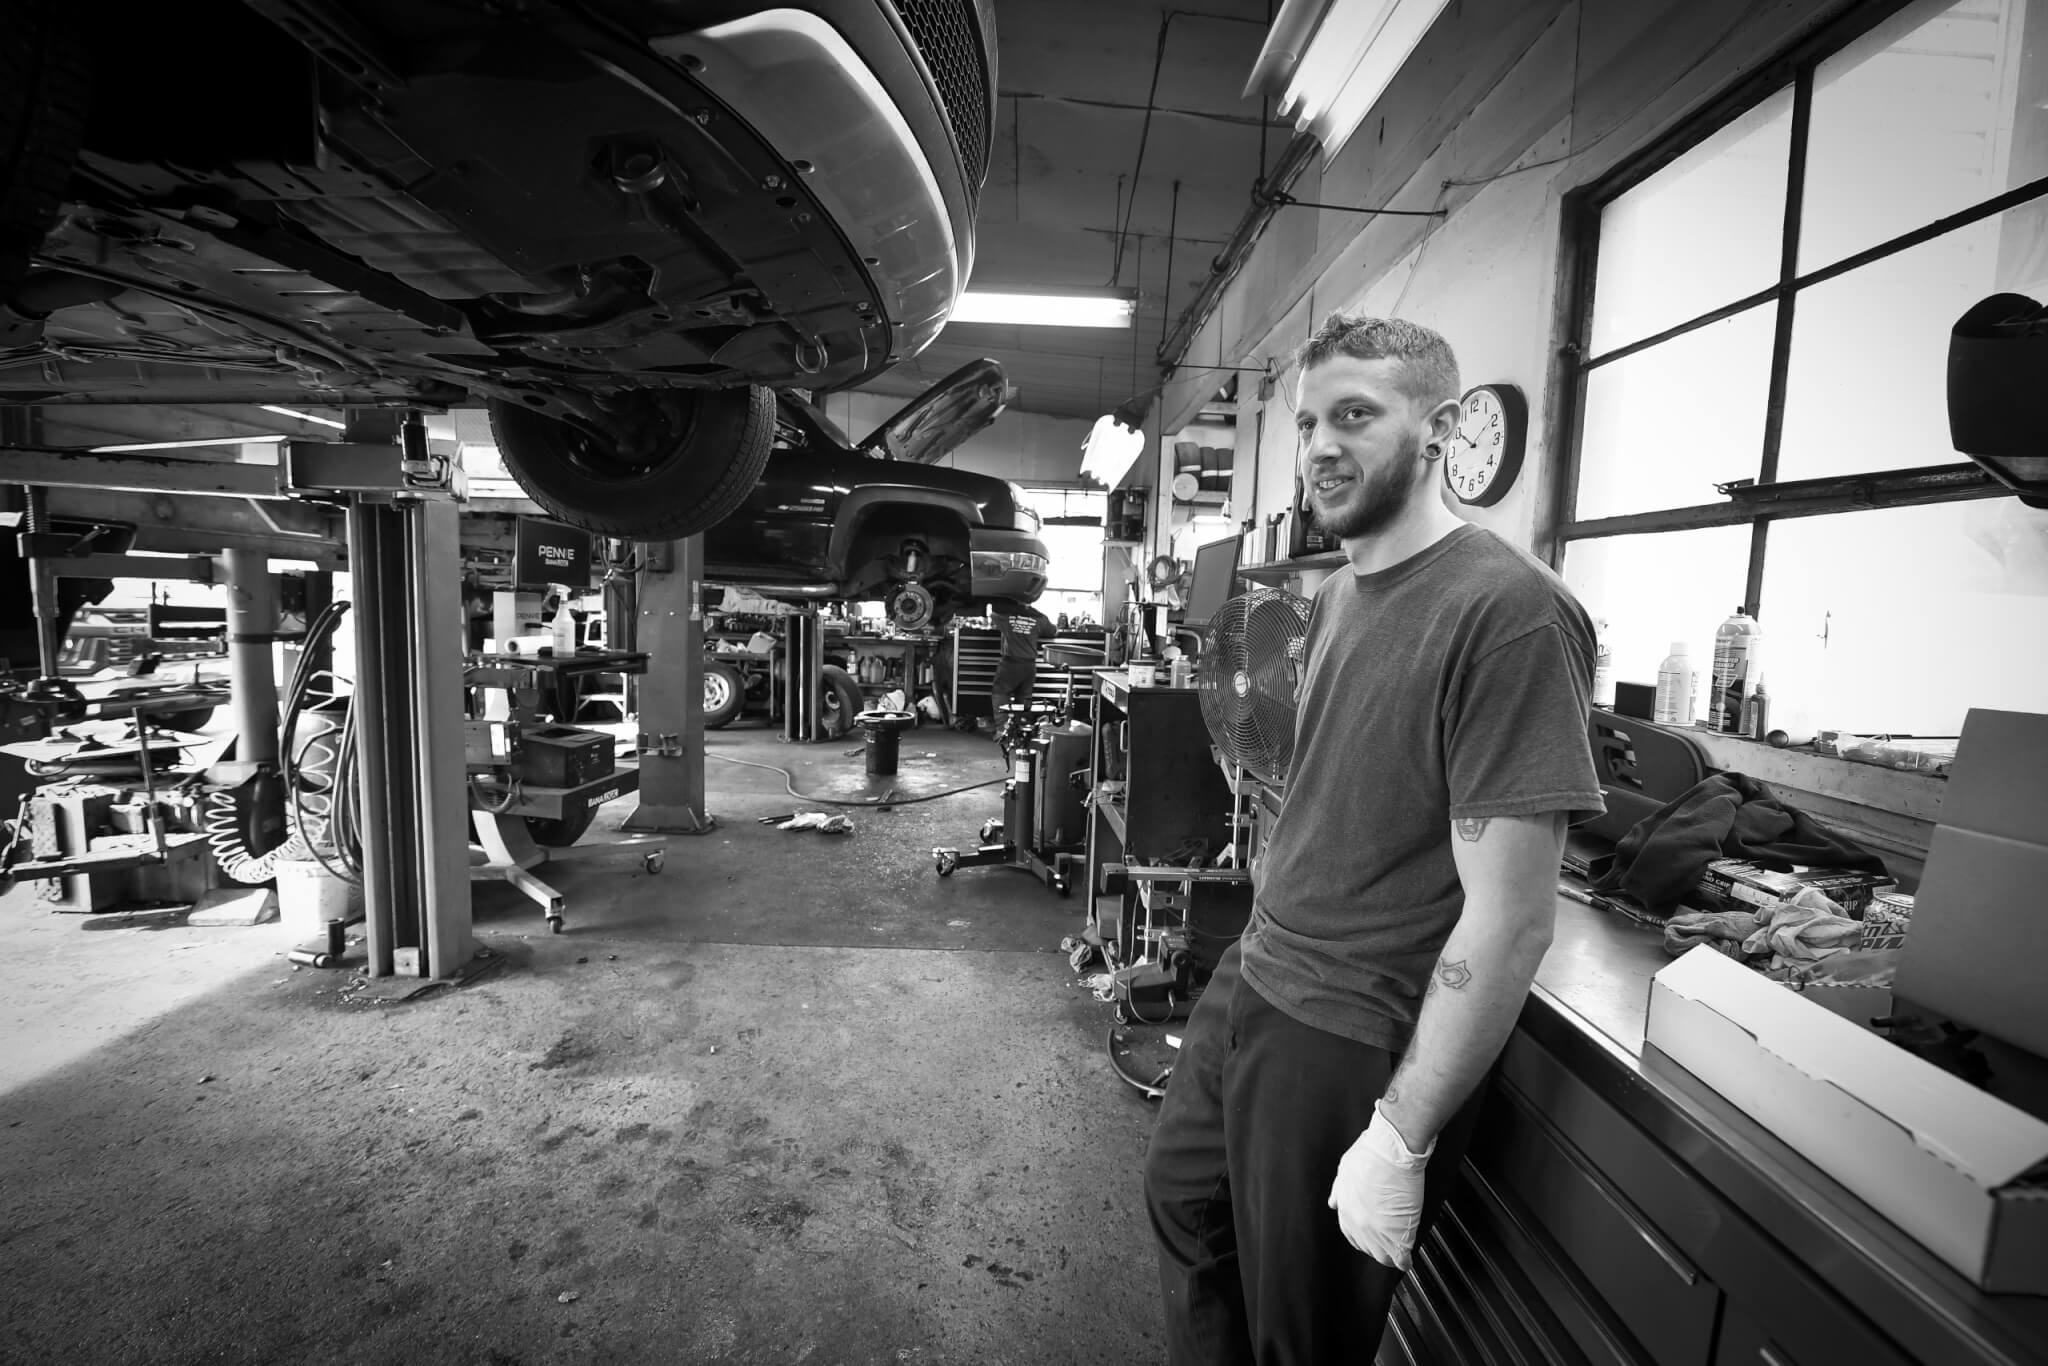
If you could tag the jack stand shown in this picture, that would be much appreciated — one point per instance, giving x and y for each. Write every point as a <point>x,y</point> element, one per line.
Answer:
<point>1012,841</point>
<point>509,850</point>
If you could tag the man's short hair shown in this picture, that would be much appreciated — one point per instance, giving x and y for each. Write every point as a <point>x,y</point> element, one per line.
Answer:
<point>1429,371</point>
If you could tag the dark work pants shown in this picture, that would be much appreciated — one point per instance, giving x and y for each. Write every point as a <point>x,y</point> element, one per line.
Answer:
<point>1252,1263</point>
<point>1013,683</point>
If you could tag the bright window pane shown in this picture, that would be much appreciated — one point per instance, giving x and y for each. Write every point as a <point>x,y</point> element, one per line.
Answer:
<point>1900,620</point>
<point>1705,231</point>
<point>1937,109</point>
<point>1665,425</point>
<point>1868,384</point>
<point>1651,590</point>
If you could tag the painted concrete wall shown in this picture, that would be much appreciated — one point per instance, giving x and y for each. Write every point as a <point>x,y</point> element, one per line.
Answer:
<point>1505,108</point>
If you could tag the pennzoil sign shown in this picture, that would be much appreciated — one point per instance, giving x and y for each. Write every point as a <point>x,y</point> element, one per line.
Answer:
<point>549,552</point>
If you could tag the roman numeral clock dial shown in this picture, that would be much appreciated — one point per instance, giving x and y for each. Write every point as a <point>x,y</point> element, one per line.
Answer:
<point>1485,453</point>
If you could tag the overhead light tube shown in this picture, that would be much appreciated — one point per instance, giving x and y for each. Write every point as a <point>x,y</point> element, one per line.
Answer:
<point>1043,310</point>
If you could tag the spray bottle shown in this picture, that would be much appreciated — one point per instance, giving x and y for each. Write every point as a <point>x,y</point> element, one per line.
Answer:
<point>1674,687</point>
<point>1735,648</point>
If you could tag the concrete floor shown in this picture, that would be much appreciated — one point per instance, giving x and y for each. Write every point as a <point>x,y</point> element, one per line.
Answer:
<point>792,1099</point>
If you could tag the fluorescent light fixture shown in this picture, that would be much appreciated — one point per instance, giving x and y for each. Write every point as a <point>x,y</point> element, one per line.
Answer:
<point>1357,49</point>
<point>303,417</point>
<point>1110,451</point>
<point>182,445</point>
<point>1043,310</point>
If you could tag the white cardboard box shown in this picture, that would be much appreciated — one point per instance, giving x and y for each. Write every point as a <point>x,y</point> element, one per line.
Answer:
<point>1931,1152</point>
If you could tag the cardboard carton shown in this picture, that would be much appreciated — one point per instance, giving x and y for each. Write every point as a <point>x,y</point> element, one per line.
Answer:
<point>1954,1167</point>
<point>1979,939</point>
<point>1734,885</point>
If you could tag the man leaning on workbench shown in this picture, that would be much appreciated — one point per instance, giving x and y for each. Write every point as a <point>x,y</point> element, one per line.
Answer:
<point>1320,1100</point>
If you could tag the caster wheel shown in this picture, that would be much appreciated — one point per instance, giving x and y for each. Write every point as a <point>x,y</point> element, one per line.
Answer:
<point>1121,1013</point>
<point>554,924</point>
<point>989,831</point>
<point>945,861</point>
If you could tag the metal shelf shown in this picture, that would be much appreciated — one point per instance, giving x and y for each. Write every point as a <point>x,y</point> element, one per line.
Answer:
<point>1282,570</point>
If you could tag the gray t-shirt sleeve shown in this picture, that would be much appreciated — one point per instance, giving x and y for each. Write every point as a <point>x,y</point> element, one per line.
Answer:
<point>1515,741</point>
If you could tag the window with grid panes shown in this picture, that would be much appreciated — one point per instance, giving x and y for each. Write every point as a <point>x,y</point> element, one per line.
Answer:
<point>1769,300</point>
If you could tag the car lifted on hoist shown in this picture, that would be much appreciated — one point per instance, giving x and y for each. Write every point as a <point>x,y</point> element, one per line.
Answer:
<point>623,224</point>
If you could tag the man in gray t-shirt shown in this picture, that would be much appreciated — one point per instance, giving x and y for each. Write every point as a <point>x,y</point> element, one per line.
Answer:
<point>1403,902</point>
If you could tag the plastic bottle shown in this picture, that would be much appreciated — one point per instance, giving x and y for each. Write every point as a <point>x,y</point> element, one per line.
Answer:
<point>1756,711</point>
<point>564,628</point>
<point>1603,668</point>
<point>1735,647</point>
<point>1674,687</point>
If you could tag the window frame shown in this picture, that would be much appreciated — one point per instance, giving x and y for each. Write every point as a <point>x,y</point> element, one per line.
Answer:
<point>1762,500</point>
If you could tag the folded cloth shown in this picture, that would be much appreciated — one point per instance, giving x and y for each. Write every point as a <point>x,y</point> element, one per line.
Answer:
<point>1689,928</point>
<point>1807,927</point>
<point>1726,815</point>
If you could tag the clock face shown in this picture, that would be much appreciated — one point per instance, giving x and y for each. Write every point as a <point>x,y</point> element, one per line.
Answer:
<point>1486,452</point>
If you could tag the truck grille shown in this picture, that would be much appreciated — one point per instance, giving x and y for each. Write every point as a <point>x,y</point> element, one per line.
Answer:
<point>947,36</point>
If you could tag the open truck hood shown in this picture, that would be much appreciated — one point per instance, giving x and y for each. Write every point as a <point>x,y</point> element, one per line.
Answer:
<point>942,417</point>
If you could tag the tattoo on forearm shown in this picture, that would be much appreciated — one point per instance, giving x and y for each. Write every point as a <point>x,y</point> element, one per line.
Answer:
<point>1454,976</point>
<point>1471,830</point>
<point>1390,1095</point>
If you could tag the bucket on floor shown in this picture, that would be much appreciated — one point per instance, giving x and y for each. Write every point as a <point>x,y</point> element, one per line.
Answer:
<point>884,731</point>
<point>308,896</point>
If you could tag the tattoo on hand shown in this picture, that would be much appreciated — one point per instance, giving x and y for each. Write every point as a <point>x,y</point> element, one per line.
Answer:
<point>1453,975</point>
<point>1471,830</point>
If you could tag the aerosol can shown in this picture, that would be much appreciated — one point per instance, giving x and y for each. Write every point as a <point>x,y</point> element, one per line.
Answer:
<point>1735,660</point>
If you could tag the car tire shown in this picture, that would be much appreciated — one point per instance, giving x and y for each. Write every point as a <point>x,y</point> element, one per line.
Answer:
<point>554,834</point>
<point>725,694</point>
<point>838,703</point>
<point>701,451</point>
<point>44,92</point>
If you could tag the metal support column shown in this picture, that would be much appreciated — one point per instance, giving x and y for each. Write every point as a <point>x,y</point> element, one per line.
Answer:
<point>252,677</point>
<point>408,701</point>
<point>671,631</point>
<point>803,662</point>
<point>42,583</point>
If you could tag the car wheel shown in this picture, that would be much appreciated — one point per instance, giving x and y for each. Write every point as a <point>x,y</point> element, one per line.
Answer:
<point>725,693</point>
<point>838,703</point>
<point>679,461</point>
<point>553,834</point>
<point>43,97</point>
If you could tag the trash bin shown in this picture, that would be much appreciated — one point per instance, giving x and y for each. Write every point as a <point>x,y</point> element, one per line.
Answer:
<point>884,731</point>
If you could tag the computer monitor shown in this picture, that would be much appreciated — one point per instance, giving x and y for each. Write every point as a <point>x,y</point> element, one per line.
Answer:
<point>1215,582</point>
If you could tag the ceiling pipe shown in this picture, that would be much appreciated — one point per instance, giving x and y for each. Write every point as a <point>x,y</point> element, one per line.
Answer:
<point>1267,200</point>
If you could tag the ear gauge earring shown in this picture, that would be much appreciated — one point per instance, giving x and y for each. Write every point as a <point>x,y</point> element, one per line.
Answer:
<point>1433,451</point>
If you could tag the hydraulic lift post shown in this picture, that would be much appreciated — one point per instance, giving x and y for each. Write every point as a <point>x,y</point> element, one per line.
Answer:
<point>671,632</point>
<point>403,548</point>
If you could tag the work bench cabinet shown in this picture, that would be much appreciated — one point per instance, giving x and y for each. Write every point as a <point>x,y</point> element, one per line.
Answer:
<point>1613,1209</point>
<point>1155,793</point>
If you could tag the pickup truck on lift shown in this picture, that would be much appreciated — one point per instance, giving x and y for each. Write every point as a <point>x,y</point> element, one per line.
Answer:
<point>877,520</point>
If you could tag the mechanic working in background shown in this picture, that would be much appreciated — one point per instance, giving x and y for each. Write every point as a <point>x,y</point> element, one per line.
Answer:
<point>1023,628</point>
<point>1318,1107</point>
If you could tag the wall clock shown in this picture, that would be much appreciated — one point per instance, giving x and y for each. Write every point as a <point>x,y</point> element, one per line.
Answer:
<point>1485,452</point>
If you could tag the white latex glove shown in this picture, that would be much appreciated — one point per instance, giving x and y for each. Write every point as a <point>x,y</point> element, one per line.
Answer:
<point>1378,1193</point>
